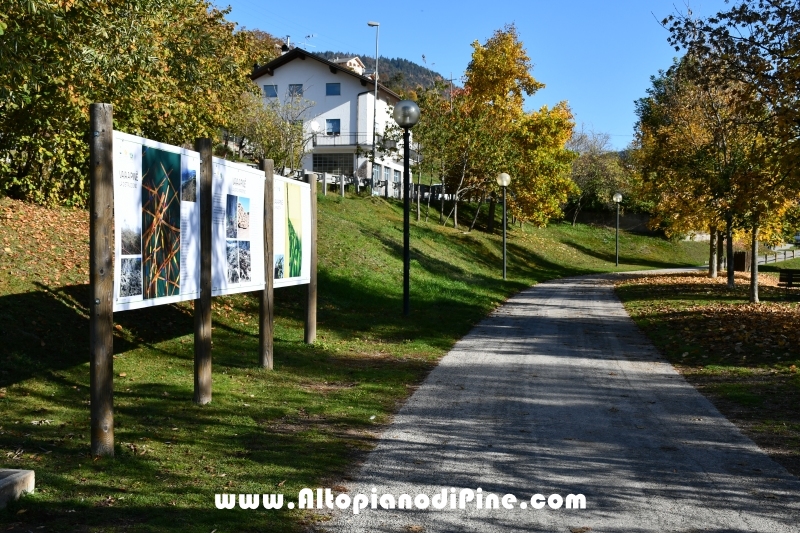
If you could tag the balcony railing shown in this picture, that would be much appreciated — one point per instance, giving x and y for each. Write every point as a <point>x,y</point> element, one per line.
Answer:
<point>341,139</point>
<point>353,139</point>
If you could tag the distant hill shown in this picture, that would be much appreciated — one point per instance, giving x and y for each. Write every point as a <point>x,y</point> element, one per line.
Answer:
<point>398,74</point>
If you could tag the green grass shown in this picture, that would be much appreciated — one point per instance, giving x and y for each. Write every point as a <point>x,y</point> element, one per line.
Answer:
<point>301,425</point>
<point>776,267</point>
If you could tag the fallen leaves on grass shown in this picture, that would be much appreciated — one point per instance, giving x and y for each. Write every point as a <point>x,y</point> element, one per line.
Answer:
<point>26,227</point>
<point>698,311</point>
<point>106,502</point>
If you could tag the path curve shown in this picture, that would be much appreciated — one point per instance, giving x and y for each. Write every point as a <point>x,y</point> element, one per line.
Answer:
<point>558,392</point>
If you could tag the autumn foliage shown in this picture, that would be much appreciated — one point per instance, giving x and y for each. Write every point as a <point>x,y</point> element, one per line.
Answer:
<point>717,139</point>
<point>471,135</point>
<point>173,70</point>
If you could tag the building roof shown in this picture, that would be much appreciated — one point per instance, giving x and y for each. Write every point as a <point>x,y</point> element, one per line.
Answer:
<point>299,53</point>
<point>340,60</point>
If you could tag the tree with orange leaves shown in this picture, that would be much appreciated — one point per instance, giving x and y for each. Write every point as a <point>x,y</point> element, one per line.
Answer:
<point>484,130</point>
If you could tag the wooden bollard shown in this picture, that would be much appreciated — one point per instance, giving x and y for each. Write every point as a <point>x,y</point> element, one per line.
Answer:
<point>267,304</point>
<point>202,305</point>
<point>101,278</point>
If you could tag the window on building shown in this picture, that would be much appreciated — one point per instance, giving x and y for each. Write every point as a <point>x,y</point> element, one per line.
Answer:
<point>334,164</point>
<point>387,173</point>
<point>271,91</point>
<point>376,173</point>
<point>397,175</point>
<point>295,89</point>
<point>333,89</point>
<point>333,126</point>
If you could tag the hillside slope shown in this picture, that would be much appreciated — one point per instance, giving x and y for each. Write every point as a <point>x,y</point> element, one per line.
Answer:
<point>396,73</point>
<point>301,425</point>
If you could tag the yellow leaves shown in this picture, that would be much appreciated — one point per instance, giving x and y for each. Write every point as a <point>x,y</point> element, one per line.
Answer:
<point>500,72</point>
<point>66,4</point>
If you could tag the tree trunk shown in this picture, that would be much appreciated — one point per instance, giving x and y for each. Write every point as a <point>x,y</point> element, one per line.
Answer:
<point>430,193</point>
<point>720,249</point>
<point>754,265</point>
<point>477,212</point>
<point>575,214</point>
<point>441,210</point>
<point>492,207</point>
<point>729,253</point>
<point>419,179</point>
<point>712,259</point>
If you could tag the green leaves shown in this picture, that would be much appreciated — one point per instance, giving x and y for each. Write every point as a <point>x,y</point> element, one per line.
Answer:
<point>173,69</point>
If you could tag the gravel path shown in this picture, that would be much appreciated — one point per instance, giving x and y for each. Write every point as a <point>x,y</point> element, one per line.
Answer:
<point>558,392</point>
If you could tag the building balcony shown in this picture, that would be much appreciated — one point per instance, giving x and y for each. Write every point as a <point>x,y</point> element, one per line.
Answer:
<point>342,139</point>
<point>354,139</point>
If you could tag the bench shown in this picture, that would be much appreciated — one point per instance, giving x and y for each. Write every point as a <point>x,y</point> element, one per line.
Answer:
<point>789,277</point>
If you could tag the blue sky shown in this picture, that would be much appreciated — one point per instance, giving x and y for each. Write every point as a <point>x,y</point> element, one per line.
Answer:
<point>598,56</point>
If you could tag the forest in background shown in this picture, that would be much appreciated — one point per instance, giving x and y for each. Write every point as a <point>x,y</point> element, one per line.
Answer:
<point>400,75</point>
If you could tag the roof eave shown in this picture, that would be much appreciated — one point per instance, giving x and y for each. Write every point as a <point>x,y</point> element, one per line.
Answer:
<point>295,53</point>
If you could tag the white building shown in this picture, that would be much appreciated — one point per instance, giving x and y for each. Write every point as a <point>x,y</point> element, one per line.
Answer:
<point>344,101</point>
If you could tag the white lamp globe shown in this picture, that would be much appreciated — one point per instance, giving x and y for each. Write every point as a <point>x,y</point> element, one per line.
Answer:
<point>406,113</point>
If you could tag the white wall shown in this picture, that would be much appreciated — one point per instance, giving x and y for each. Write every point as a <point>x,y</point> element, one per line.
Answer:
<point>353,107</point>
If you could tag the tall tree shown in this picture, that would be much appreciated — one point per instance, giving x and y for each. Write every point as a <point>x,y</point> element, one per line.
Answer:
<point>598,172</point>
<point>173,69</point>
<point>708,154</point>
<point>756,44</point>
<point>483,130</point>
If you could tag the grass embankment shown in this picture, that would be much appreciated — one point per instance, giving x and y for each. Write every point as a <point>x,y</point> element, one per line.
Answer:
<point>743,356</point>
<point>301,425</point>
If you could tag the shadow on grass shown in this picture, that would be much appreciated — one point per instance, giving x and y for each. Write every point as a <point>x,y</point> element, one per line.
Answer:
<point>48,330</point>
<point>623,259</point>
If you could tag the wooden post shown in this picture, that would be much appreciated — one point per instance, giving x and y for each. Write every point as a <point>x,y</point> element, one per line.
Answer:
<point>202,305</point>
<point>101,278</point>
<point>311,288</point>
<point>341,185</point>
<point>267,307</point>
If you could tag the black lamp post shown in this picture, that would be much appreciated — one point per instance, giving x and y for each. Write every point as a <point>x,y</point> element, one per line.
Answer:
<point>617,200</point>
<point>504,180</point>
<point>406,114</point>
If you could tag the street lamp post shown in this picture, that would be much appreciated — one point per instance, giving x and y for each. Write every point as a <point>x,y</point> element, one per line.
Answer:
<point>314,126</point>
<point>406,114</point>
<point>617,200</point>
<point>504,180</point>
<point>377,26</point>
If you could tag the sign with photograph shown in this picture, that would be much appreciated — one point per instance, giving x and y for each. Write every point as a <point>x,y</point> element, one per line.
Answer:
<point>157,223</point>
<point>292,232</point>
<point>237,228</point>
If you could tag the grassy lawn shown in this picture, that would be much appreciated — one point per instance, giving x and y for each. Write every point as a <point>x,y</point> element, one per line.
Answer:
<point>744,357</point>
<point>306,423</point>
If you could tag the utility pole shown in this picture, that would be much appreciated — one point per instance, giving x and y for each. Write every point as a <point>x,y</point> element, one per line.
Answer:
<point>377,26</point>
